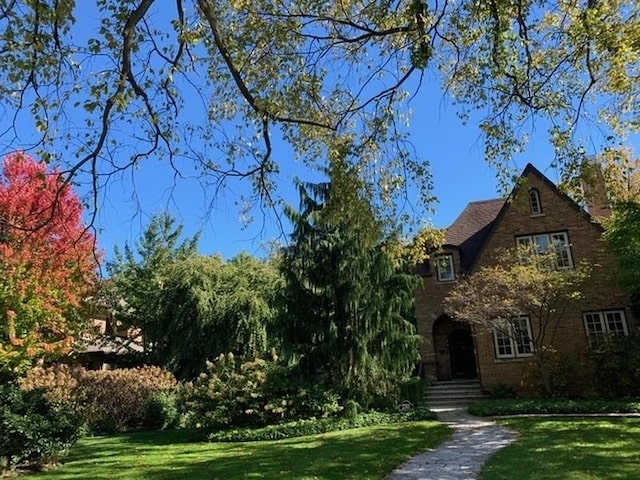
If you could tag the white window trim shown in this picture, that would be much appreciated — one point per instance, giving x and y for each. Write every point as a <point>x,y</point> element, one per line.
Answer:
<point>512,342</point>
<point>593,338</point>
<point>439,272</point>
<point>535,206</point>
<point>566,245</point>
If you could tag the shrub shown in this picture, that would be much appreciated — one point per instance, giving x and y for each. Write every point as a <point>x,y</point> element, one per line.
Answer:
<point>107,400</point>
<point>560,406</point>
<point>503,390</point>
<point>161,411</point>
<point>33,431</point>
<point>351,409</point>
<point>616,363</point>
<point>412,390</point>
<point>252,393</point>
<point>116,398</point>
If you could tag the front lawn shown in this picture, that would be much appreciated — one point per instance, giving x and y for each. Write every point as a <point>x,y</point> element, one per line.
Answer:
<point>364,453</point>
<point>569,449</point>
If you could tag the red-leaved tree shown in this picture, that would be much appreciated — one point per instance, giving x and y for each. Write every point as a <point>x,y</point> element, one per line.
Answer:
<point>47,263</point>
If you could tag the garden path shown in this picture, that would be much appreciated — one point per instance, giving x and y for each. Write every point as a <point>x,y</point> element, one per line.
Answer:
<point>460,457</point>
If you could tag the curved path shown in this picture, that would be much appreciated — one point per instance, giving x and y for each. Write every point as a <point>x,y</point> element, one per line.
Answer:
<point>460,457</point>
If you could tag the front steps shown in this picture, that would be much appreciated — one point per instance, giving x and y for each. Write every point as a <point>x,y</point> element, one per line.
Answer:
<point>452,394</point>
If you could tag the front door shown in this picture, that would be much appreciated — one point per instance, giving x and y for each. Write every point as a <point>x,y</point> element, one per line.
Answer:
<point>463,358</point>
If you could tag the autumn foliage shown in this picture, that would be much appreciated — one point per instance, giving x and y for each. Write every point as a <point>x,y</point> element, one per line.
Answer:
<point>47,263</point>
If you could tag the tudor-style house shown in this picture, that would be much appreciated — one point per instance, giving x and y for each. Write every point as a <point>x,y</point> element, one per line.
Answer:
<point>536,213</point>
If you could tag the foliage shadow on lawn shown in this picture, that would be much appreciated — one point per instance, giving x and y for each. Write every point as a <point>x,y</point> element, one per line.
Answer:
<point>349,454</point>
<point>569,449</point>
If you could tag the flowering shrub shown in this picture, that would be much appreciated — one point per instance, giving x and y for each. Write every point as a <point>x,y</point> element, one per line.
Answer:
<point>106,399</point>
<point>257,392</point>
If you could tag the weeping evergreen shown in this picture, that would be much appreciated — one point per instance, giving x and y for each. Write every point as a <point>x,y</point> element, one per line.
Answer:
<point>347,304</point>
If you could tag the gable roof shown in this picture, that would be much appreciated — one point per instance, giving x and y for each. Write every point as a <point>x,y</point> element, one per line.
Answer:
<point>469,231</point>
<point>473,227</point>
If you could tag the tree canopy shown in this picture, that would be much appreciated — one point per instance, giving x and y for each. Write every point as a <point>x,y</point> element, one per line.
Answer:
<point>190,307</point>
<point>136,274</point>
<point>210,84</point>
<point>47,264</point>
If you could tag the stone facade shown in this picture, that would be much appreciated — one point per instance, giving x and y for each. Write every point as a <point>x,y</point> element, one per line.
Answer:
<point>473,240</point>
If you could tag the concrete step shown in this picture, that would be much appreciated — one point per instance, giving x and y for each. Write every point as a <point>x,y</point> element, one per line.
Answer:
<point>454,393</point>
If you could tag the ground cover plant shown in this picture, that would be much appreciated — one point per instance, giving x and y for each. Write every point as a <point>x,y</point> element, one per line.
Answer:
<point>364,453</point>
<point>569,449</point>
<point>520,406</point>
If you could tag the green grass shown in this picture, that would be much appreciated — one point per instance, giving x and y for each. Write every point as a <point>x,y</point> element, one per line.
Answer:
<point>364,453</point>
<point>569,449</point>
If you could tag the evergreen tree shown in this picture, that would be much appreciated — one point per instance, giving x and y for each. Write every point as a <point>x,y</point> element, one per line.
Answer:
<point>136,277</point>
<point>346,300</point>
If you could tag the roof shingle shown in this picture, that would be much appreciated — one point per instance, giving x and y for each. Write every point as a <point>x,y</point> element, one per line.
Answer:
<point>469,231</point>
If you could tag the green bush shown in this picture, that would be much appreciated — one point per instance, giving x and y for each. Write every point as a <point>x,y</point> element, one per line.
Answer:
<point>503,390</point>
<point>108,400</point>
<point>616,364</point>
<point>560,406</point>
<point>315,426</point>
<point>33,431</point>
<point>252,393</point>
<point>351,409</point>
<point>161,411</point>
<point>412,390</point>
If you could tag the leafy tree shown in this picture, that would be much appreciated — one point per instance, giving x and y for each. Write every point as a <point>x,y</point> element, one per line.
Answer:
<point>347,304</point>
<point>47,264</point>
<point>623,240</point>
<point>235,74</point>
<point>134,288</point>
<point>496,297</point>
<point>208,307</point>
<point>620,181</point>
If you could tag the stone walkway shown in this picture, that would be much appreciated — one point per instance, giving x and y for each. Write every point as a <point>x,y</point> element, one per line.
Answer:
<point>461,457</point>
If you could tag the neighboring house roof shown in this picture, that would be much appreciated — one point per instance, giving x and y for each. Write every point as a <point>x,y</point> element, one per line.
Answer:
<point>469,231</point>
<point>109,346</point>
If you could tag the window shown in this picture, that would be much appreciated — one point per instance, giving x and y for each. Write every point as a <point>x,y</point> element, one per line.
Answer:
<point>513,339</point>
<point>545,242</point>
<point>534,202</point>
<point>444,268</point>
<point>600,325</point>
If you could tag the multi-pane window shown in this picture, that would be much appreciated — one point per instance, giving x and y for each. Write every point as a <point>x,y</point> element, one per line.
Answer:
<point>444,268</point>
<point>600,325</point>
<point>513,339</point>
<point>534,202</point>
<point>548,242</point>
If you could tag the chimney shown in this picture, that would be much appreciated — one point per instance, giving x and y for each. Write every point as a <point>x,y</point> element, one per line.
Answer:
<point>595,190</point>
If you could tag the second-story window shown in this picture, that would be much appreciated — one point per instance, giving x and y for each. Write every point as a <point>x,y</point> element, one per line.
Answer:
<point>534,202</point>
<point>548,242</point>
<point>444,268</point>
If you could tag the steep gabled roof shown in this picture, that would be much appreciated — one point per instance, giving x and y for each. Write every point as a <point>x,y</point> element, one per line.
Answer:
<point>469,231</point>
<point>529,169</point>
<point>473,227</point>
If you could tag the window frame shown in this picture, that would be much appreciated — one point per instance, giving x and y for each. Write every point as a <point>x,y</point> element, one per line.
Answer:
<point>517,349</point>
<point>535,204</point>
<point>562,248</point>
<point>596,336</point>
<point>439,274</point>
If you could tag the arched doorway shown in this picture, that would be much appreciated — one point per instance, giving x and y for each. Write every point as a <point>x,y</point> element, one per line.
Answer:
<point>454,349</point>
<point>461,352</point>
